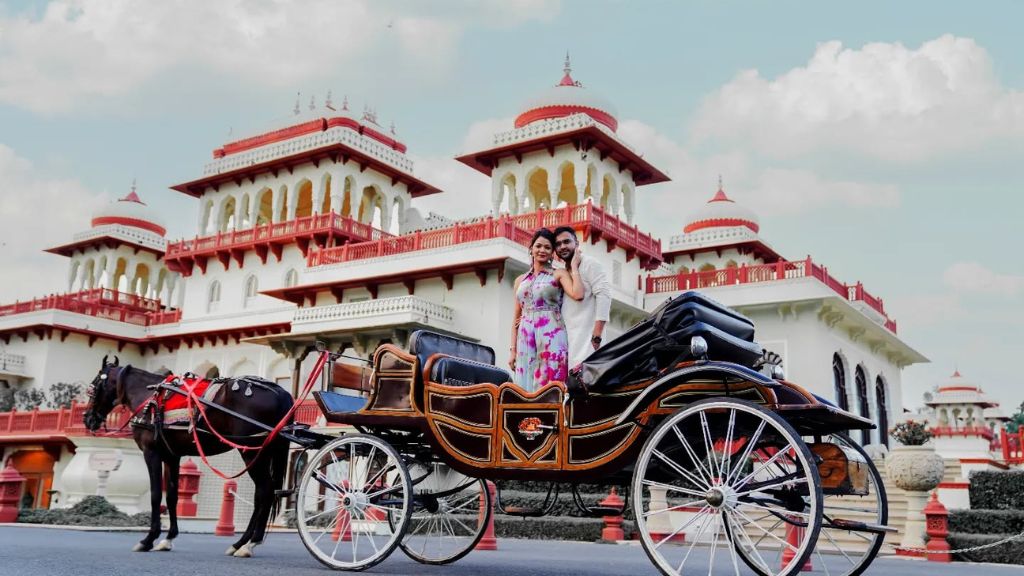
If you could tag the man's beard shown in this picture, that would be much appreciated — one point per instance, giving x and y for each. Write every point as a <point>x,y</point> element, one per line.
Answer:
<point>567,258</point>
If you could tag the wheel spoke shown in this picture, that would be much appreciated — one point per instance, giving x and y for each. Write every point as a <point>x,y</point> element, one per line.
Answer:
<point>673,508</point>
<point>698,516</point>
<point>780,540</point>
<point>764,465</point>
<point>704,473</point>
<point>677,468</point>
<point>674,488</point>
<point>696,537</point>
<point>709,445</point>
<point>751,442</point>
<point>727,449</point>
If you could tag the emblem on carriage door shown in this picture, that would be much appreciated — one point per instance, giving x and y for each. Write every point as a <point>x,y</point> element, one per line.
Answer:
<point>530,427</point>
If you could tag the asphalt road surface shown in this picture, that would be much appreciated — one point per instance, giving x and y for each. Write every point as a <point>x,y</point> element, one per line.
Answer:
<point>53,552</point>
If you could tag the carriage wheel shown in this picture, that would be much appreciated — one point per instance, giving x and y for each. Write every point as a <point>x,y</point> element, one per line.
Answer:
<point>353,502</point>
<point>714,484</point>
<point>450,514</point>
<point>844,552</point>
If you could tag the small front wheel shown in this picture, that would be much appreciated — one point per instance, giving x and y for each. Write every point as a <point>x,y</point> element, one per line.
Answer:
<point>353,502</point>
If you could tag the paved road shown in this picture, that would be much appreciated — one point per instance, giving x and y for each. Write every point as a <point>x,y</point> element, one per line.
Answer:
<point>47,552</point>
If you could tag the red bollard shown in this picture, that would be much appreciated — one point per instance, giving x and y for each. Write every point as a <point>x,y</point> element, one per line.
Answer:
<point>937,528</point>
<point>612,531</point>
<point>188,486</point>
<point>226,523</point>
<point>487,541</point>
<point>10,493</point>
<point>794,534</point>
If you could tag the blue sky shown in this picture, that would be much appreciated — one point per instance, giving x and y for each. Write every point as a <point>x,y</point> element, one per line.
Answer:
<point>884,139</point>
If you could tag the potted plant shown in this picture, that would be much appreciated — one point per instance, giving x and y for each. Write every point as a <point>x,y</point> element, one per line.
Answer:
<point>913,464</point>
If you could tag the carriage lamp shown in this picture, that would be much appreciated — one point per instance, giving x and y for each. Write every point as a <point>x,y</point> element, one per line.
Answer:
<point>777,372</point>
<point>698,347</point>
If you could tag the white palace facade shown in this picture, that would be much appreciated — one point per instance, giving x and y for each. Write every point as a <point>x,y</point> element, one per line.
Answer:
<point>311,233</point>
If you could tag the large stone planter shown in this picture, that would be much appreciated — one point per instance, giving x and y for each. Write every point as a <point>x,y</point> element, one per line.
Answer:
<point>917,470</point>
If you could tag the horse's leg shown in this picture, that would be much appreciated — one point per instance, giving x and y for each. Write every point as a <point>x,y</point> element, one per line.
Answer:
<point>260,474</point>
<point>172,466</point>
<point>153,464</point>
<point>276,465</point>
<point>240,548</point>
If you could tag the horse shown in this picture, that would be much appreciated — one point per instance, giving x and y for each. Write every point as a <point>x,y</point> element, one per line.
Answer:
<point>260,401</point>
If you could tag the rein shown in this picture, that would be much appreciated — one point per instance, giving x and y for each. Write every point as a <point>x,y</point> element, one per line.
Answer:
<point>197,404</point>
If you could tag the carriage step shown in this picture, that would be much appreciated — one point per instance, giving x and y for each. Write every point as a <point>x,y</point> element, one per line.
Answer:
<point>523,511</point>
<point>600,511</point>
<point>287,493</point>
<point>855,526</point>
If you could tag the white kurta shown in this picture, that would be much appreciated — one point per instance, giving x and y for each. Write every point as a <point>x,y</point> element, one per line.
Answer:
<point>580,315</point>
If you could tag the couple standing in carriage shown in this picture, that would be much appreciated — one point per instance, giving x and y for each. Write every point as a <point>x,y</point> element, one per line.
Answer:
<point>560,313</point>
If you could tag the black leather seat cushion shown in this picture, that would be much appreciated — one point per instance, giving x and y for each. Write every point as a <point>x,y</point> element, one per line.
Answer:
<point>424,344</point>
<point>461,372</point>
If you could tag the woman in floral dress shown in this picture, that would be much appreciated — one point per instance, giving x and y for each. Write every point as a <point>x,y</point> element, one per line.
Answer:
<point>540,349</point>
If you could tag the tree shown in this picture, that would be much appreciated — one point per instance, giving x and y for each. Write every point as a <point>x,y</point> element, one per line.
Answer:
<point>1016,421</point>
<point>29,399</point>
<point>6,399</point>
<point>62,394</point>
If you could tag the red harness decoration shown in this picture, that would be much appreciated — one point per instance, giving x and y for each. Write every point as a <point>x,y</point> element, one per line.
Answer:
<point>172,401</point>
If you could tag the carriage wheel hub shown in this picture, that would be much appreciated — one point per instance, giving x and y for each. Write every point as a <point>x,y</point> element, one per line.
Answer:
<point>720,496</point>
<point>355,500</point>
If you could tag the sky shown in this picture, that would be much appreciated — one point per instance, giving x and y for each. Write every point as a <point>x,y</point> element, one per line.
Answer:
<point>884,139</point>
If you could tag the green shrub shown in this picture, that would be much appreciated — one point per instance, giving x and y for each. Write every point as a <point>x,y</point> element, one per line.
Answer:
<point>91,511</point>
<point>553,528</point>
<point>986,521</point>
<point>1009,553</point>
<point>997,490</point>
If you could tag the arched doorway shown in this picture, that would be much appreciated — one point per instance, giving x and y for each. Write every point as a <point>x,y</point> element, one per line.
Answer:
<point>839,382</point>
<point>860,380</point>
<point>37,468</point>
<point>882,408</point>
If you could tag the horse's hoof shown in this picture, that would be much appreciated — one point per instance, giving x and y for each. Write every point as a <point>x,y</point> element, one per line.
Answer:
<point>140,547</point>
<point>244,552</point>
<point>230,551</point>
<point>165,545</point>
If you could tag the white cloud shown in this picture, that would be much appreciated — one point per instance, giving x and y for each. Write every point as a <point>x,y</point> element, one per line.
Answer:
<point>37,212</point>
<point>79,51</point>
<point>769,191</point>
<point>972,277</point>
<point>883,101</point>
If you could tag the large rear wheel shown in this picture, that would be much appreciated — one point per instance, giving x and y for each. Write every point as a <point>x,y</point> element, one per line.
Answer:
<point>353,502</point>
<point>713,484</point>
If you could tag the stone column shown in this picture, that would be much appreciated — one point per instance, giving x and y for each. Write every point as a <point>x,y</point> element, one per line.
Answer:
<point>580,175</point>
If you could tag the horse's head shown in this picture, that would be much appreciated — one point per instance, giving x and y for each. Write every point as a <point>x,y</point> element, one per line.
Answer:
<point>104,394</point>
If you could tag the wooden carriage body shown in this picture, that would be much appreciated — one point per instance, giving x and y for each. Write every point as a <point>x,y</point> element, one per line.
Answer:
<point>499,431</point>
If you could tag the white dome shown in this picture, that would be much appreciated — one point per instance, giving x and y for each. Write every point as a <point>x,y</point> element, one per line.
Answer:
<point>129,211</point>
<point>722,212</point>
<point>566,98</point>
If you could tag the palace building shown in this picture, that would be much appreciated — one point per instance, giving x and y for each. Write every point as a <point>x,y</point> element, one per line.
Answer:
<point>310,233</point>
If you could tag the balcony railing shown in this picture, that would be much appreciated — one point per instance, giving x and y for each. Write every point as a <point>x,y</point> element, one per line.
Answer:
<point>781,270</point>
<point>375,308</point>
<point>100,303</point>
<point>69,421</point>
<point>12,363</point>
<point>318,228</point>
<point>591,219</point>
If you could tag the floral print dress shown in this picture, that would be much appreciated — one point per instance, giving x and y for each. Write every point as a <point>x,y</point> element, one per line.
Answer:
<point>542,346</point>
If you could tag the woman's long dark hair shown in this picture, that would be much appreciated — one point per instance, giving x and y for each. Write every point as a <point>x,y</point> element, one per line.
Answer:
<point>543,233</point>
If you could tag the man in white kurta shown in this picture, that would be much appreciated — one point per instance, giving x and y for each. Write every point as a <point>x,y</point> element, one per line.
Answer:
<point>584,319</point>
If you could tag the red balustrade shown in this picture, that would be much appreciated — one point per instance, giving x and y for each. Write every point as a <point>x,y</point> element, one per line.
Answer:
<point>303,230</point>
<point>781,270</point>
<point>592,220</point>
<point>100,303</point>
<point>61,422</point>
<point>1012,445</point>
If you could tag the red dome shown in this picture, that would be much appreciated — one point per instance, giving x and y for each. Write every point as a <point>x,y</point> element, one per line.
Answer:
<point>722,212</point>
<point>129,211</point>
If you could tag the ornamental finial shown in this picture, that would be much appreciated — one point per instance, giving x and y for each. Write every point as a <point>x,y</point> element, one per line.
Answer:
<point>392,127</point>
<point>312,103</point>
<point>568,65</point>
<point>719,182</point>
<point>329,104</point>
<point>296,110</point>
<point>344,102</point>
<point>133,185</point>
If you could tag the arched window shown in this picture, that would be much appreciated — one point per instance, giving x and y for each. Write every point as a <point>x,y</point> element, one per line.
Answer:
<point>213,296</point>
<point>860,380</point>
<point>251,290</point>
<point>839,382</point>
<point>291,278</point>
<point>882,408</point>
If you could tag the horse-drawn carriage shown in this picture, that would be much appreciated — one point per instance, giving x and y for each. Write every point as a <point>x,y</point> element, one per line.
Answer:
<point>718,451</point>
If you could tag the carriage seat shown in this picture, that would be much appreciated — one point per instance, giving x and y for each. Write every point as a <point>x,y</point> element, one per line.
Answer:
<point>461,372</point>
<point>423,344</point>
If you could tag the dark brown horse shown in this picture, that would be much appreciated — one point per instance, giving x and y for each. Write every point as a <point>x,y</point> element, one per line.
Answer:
<point>264,402</point>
